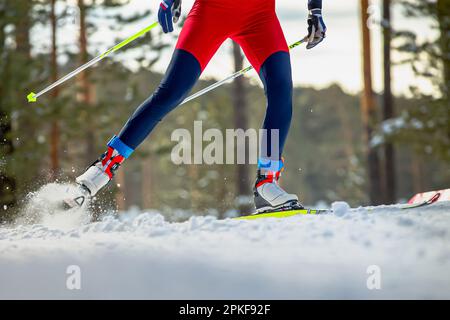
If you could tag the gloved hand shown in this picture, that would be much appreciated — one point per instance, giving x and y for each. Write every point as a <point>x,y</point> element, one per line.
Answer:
<point>316,28</point>
<point>169,13</point>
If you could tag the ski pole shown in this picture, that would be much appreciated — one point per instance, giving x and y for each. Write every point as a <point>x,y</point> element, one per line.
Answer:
<point>32,97</point>
<point>233,76</point>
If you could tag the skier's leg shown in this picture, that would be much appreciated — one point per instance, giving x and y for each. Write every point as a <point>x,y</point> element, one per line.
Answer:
<point>183,72</point>
<point>276,76</point>
<point>201,36</point>
<point>198,41</point>
<point>266,48</point>
<point>275,73</point>
<point>264,45</point>
<point>181,75</point>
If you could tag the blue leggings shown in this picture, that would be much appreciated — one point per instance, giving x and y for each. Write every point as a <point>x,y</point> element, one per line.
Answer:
<point>182,74</point>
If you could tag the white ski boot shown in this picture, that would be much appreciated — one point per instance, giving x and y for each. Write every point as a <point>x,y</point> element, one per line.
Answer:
<point>268,195</point>
<point>100,172</point>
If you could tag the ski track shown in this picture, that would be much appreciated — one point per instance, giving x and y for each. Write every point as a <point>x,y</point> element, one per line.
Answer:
<point>142,256</point>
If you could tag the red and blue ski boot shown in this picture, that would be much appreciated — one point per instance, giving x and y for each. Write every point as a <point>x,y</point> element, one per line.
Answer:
<point>268,195</point>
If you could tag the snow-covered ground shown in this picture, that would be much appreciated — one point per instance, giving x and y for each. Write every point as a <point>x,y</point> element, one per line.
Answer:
<point>142,256</point>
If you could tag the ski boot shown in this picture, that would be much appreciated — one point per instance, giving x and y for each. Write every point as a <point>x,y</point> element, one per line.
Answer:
<point>100,172</point>
<point>268,195</point>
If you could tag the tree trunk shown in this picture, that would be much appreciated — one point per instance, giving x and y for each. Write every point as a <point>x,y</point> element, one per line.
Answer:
<point>54,131</point>
<point>241,122</point>
<point>443,17</point>
<point>23,28</point>
<point>86,88</point>
<point>388,107</point>
<point>369,110</point>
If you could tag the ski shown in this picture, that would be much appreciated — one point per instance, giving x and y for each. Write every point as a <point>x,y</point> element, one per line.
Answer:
<point>426,202</point>
<point>283,214</point>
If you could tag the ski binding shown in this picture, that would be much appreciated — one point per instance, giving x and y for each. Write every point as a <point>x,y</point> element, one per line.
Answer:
<point>78,201</point>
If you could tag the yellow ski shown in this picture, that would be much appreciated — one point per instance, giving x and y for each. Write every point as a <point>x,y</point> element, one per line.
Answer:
<point>282,214</point>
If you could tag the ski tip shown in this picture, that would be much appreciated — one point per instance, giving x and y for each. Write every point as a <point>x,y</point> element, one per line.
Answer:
<point>31,97</point>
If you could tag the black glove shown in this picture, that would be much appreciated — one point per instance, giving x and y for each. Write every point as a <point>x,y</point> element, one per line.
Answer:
<point>316,26</point>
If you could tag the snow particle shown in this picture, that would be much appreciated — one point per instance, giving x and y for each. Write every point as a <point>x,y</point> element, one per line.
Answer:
<point>41,139</point>
<point>340,208</point>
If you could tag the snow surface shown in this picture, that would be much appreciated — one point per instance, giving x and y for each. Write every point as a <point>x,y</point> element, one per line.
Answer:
<point>142,256</point>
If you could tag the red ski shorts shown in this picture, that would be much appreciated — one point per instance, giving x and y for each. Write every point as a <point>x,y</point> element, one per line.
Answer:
<point>253,24</point>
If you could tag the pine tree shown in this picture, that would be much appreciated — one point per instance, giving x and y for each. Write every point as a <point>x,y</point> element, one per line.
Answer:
<point>7,181</point>
<point>388,107</point>
<point>55,127</point>
<point>427,125</point>
<point>369,110</point>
